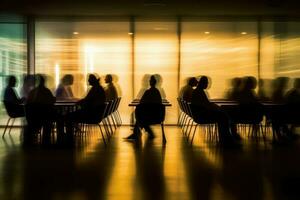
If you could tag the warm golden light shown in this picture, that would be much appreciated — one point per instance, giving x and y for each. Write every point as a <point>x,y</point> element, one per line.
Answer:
<point>57,74</point>
<point>75,33</point>
<point>207,32</point>
<point>244,33</point>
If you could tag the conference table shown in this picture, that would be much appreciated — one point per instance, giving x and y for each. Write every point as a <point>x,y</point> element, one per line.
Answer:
<point>136,102</point>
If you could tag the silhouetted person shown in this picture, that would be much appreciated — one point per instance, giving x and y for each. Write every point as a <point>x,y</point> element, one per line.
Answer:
<point>293,96</point>
<point>279,89</point>
<point>202,108</point>
<point>91,106</point>
<point>293,107</point>
<point>250,110</point>
<point>64,90</point>
<point>40,111</point>
<point>234,93</point>
<point>110,90</point>
<point>28,85</point>
<point>247,93</point>
<point>262,94</point>
<point>151,97</point>
<point>159,80</point>
<point>279,114</point>
<point>11,99</point>
<point>144,86</point>
<point>187,91</point>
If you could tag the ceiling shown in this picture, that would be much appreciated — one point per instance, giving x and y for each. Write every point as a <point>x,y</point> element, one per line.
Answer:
<point>152,7</point>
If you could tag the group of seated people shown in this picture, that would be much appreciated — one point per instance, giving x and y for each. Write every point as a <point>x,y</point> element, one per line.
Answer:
<point>249,107</point>
<point>38,101</point>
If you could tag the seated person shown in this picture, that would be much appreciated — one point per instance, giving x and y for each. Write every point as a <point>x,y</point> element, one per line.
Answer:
<point>279,88</point>
<point>250,109</point>
<point>292,100</point>
<point>110,90</point>
<point>92,106</point>
<point>11,99</point>
<point>151,96</point>
<point>187,91</point>
<point>28,85</point>
<point>64,90</point>
<point>40,110</point>
<point>202,108</point>
<point>234,93</point>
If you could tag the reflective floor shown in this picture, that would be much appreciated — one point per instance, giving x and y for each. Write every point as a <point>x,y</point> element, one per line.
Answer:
<point>149,170</point>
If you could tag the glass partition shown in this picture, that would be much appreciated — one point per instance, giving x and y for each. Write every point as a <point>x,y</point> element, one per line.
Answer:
<point>156,52</point>
<point>13,57</point>
<point>220,50</point>
<point>80,48</point>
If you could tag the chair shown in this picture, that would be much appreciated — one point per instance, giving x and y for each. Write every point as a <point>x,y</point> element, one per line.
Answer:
<point>13,111</point>
<point>251,116</point>
<point>200,118</point>
<point>98,119</point>
<point>150,114</point>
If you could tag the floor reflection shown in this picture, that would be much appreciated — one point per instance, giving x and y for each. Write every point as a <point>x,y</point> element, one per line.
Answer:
<point>148,170</point>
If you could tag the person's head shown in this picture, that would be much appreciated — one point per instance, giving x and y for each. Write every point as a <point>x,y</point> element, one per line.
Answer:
<point>203,82</point>
<point>250,83</point>
<point>93,80</point>
<point>236,82</point>
<point>152,81</point>
<point>42,80</point>
<point>67,79</point>
<point>108,78</point>
<point>192,81</point>
<point>11,81</point>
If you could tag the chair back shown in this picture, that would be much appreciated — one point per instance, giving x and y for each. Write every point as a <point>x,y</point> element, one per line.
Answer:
<point>11,109</point>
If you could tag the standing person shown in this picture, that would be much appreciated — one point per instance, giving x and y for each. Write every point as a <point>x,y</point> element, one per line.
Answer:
<point>203,108</point>
<point>143,119</point>
<point>11,99</point>
<point>91,106</point>
<point>110,90</point>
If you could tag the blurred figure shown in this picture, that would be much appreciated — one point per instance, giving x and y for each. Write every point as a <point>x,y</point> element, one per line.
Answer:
<point>262,93</point>
<point>28,85</point>
<point>159,81</point>
<point>247,93</point>
<point>293,96</point>
<point>110,90</point>
<point>151,96</point>
<point>144,86</point>
<point>187,90</point>
<point>203,108</point>
<point>40,111</point>
<point>279,88</point>
<point>234,93</point>
<point>250,110</point>
<point>293,105</point>
<point>92,106</point>
<point>41,94</point>
<point>11,99</point>
<point>64,90</point>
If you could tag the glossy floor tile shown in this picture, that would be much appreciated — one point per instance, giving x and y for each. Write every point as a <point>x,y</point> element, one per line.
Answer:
<point>149,170</point>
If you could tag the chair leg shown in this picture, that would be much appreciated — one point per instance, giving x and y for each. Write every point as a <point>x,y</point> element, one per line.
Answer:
<point>6,127</point>
<point>163,134</point>
<point>194,134</point>
<point>10,127</point>
<point>102,134</point>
